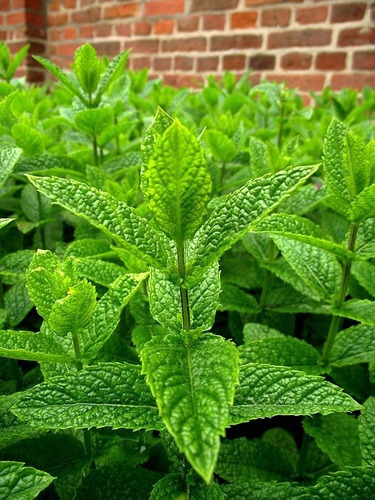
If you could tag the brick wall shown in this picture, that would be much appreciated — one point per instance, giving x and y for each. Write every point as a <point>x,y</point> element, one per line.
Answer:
<point>307,43</point>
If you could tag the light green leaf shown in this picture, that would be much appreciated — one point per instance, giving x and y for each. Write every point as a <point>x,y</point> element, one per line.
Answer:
<point>365,241</point>
<point>107,395</point>
<point>99,271</point>
<point>353,345</point>
<point>4,222</point>
<point>17,59</point>
<point>94,248</point>
<point>337,436</point>
<point>282,351</point>
<point>17,303</point>
<point>32,346</point>
<point>114,218</point>
<point>161,122</point>
<point>87,67</point>
<point>21,483</point>
<point>35,206</point>
<point>222,148</point>
<point>363,205</point>
<point>233,298</point>
<point>30,140</point>
<point>258,157</point>
<point>8,158</point>
<point>204,299</point>
<point>364,273</point>
<point>266,391</point>
<point>253,332</point>
<point>178,183</point>
<point>193,384</point>
<point>366,429</point>
<point>94,121</point>
<point>231,219</point>
<point>113,70</point>
<point>360,310</point>
<point>305,199</point>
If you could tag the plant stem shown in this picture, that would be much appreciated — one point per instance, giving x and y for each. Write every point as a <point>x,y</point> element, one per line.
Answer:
<point>95,151</point>
<point>336,321</point>
<point>183,292</point>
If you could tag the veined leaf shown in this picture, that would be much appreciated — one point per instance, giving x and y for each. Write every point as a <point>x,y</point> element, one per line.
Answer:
<point>89,248</point>
<point>21,483</point>
<point>337,436</point>
<point>29,139</point>
<point>258,157</point>
<point>94,121</point>
<point>253,332</point>
<point>193,384</point>
<point>161,122</point>
<point>233,298</point>
<point>222,148</point>
<point>364,273</point>
<point>87,67</point>
<point>266,391</point>
<point>17,303</point>
<point>353,345</point>
<point>178,183</point>
<point>363,205</point>
<point>231,219</point>
<point>366,429</point>
<point>173,487</point>
<point>107,395</point>
<point>8,158</point>
<point>4,222</point>
<point>114,68</point>
<point>354,483</point>
<point>116,219</point>
<point>99,271</point>
<point>360,310</point>
<point>17,59</point>
<point>257,490</point>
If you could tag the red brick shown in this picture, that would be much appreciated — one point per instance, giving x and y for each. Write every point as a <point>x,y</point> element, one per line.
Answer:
<point>86,31</point>
<point>234,62</point>
<point>184,45</point>
<point>145,46</point>
<point>123,30</point>
<point>364,60</point>
<point>110,48</point>
<point>356,81</point>
<point>70,4</point>
<point>303,38</point>
<point>54,5</point>
<point>140,62</point>
<point>121,11</point>
<point>312,15</point>
<point>296,60</point>
<point>34,19</point>
<point>162,63</point>
<point>2,20</point>
<point>330,61</point>
<point>190,81</point>
<point>243,20</point>
<point>250,3</point>
<point>164,27</point>
<point>70,33</point>
<point>142,28</point>
<point>188,23</point>
<point>356,36</point>
<point>275,17</point>
<point>55,34</point>
<point>4,5</point>
<point>16,4</point>
<point>303,82</point>
<point>67,49</point>
<point>36,32</point>
<point>164,7</point>
<point>207,64</point>
<point>84,3</point>
<point>16,18</point>
<point>183,63</point>
<point>57,19</point>
<point>203,5</point>
<point>35,77</point>
<point>36,48</point>
<point>36,5</point>
<point>103,30</point>
<point>262,62</point>
<point>213,22</point>
<point>236,42</point>
<point>346,12</point>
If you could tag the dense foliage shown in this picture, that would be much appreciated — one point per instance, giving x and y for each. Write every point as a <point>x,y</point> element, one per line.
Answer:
<point>187,288</point>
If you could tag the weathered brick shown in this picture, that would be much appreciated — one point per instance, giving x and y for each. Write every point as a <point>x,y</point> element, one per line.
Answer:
<point>70,4</point>
<point>55,34</point>
<point>184,45</point>
<point>140,62</point>
<point>296,60</point>
<point>14,18</point>
<point>67,49</point>
<point>213,22</point>
<point>108,48</point>
<point>191,81</point>
<point>183,63</point>
<point>364,60</point>
<point>302,82</point>
<point>346,12</point>
<point>190,23</point>
<point>162,63</point>
<point>355,80</point>
<point>34,19</point>
<point>5,5</point>
<point>229,42</point>
<point>330,61</point>
<point>251,3</point>
<point>275,17</point>
<point>142,28</point>
<point>103,30</point>
<point>121,11</point>
<point>145,46</point>
<point>243,20</point>
<point>204,5</point>
<point>262,62</point>
<point>123,30</point>
<point>86,31</point>
<point>70,33</point>
<point>301,38</point>
<point>164,7</point>
<point>164,26</point>
<point>356,36</point>
<point>311,15</point>
<point>58,19</point>
<point>207,64</point>
<point>234,62</point>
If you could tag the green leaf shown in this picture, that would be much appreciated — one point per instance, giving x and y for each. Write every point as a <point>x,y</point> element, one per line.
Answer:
<point>17,59</point>
<point>282,351</point>
<point>113,70</point>
<point>89,247</point>
<point>17,303</point>
<point>94,121</point>
<point>107,395</point>
<point>366,427</point>
<point>258,157</point>
<point>161,122</point>
<point>364,273</point>
<point>266,391</point>
<point>305,199</point>
<point>29,139</point>
<point>354,483</point>
<point>99,271</point>
<point>353,345</point>
<point>193,384</point>
<point>8,158</point>
<point>359,310</point>
<point>4,222</point>
<point>21,483</point>
<point>363,205</point>
<point>87,67</point>
<point>178,183</point>
<point>256,490</point>
<point>222,148</point>
<point>14,265</point>
<point>337,436</point>
<point>114,218</point>
<point>231,219</point>
<point>233,298</point>
<point>35,206</point>
<point>171,486</point>
<point>204,299</point>
<point>254,332</point>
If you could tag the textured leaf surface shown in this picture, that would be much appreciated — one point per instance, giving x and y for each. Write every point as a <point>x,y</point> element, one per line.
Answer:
<point>8,158</point>
<point>110,394</point>
<point>113,69</point>
<point>337,436</point>
<point>87,67</point>
<point>364,273</point>
<point>21,483</point>
<point>366,431</point>
<point>94,121</point>
<point>353,345</point>
<point>17,303</point>
<point>253,332</point>
<point>113,217</point>
<point>256,490</point>
<point>99,271</point>
<point>193,385</point>
<point>354,483</point>
<point>233,298</point>
<point>360,310</point>
<point>174,488</point>
<point>282,351</point>
<point>266,391</point>
<point>363,205</point>
<point>178,183</point>
<point>223,148</point>
<point>88,247</point>
<point>231,219</point>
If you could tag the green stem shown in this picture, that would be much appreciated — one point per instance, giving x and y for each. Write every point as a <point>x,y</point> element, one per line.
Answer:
<point>95,151</point>
<point>336,321</point>
<point>184,294</point>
